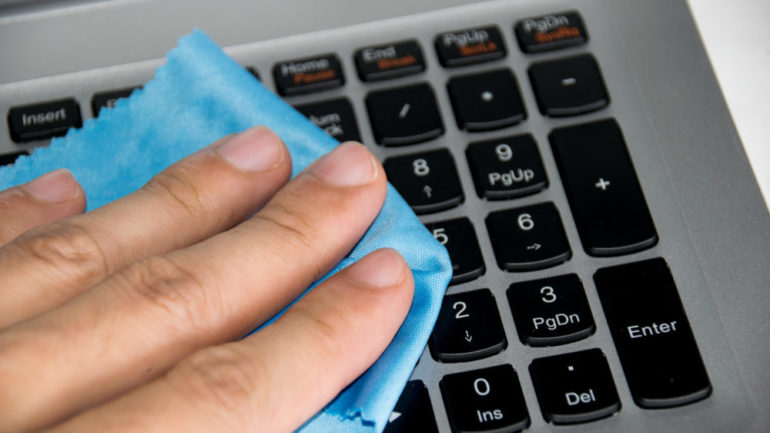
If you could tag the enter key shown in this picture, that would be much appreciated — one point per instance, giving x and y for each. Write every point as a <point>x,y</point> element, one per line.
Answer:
<point>651,332</point>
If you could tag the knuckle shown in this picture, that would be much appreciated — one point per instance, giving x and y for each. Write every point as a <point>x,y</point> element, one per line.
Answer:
<point>174,293</point>
<point>224,378</point>
<point>176,187</point>
<point>292,225</point>
<point>67,248</point>
<point>326,330</point>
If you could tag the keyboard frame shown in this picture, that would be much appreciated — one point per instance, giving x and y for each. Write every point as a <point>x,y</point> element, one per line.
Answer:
<point>714,233</point>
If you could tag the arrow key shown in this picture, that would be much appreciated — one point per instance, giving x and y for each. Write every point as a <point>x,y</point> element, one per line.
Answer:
<point>528,238</point>
<point>468,327</point>
<point>428,181</point>
<point>413,411</point>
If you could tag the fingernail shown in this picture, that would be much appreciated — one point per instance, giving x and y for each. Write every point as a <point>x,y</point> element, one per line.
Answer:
<point>349,164</point>
<point>54,187</point>
<point>380,269</point>
<point>254,149</point>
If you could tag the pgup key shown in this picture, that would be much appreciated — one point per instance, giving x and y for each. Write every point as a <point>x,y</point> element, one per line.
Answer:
<point>506,167</point>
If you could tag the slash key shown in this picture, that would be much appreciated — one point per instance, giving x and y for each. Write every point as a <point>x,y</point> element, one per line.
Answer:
<point>405,115</point>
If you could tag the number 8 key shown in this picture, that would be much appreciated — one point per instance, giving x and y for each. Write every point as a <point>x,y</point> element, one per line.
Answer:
<point>428,181</point>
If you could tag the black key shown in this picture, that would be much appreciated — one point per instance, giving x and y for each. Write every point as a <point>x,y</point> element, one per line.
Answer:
<point>487,400</point>
<point>551,311</point>
<point>312,74</point>
<point>45,120</point>
<point>489,100</point>
<point>575,387</point>
<point>652,335</point>
<point>253,72</point>
<point>468,327</point>
<point>405,115</point>
<point>465,47</point>
<point>506,167</point>
<point>603,191</point>
<point>389,61</point>
<point>335,117</point>
<point>528,238</point>
<point>567,87</point>
<point>10,158</point>
<point>427,181</point>
<point>459,238</point>
<point>413,411</point>
<point>550,32</point>
<point>108,99</point>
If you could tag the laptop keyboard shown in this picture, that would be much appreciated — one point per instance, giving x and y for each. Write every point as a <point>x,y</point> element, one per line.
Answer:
<point>509,208</point>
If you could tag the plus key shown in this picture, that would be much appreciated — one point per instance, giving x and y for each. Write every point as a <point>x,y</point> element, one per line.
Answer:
<point>603,191</point>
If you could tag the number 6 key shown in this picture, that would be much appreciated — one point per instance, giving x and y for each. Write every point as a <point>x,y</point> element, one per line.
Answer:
<point>528,238</point>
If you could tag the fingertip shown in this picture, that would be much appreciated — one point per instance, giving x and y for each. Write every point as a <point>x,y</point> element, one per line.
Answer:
<point>54,187</point>
<point>349,164</point>
<point>385,271</point>
<point>255,149</point>
<point>382,268</point>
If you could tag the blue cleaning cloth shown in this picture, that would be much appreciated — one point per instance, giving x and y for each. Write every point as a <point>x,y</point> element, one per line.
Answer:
<point>198,96</point>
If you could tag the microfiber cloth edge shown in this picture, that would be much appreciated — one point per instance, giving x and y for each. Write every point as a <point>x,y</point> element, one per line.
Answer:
<point>198,96</point>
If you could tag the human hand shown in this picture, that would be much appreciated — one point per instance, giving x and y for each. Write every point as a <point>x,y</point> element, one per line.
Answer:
<point>123,319</point>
